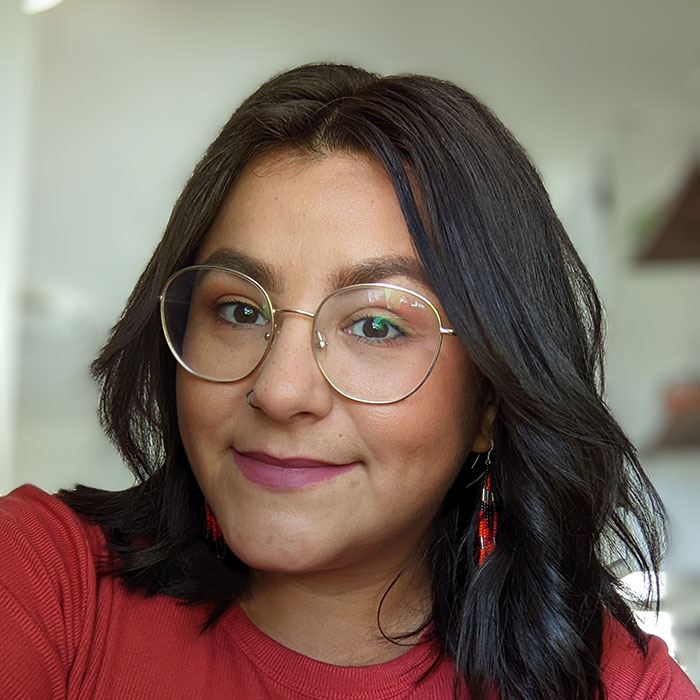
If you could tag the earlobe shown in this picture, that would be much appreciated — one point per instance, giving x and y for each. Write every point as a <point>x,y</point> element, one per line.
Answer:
<point>483,439</point>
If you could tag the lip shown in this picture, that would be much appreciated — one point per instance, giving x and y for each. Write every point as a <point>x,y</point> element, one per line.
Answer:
<point>291,473</point>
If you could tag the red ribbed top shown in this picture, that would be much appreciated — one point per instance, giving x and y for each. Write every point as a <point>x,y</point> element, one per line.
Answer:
<point>68,633</point>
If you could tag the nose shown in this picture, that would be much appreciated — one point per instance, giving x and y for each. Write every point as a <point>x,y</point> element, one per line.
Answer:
<point>289,382</point>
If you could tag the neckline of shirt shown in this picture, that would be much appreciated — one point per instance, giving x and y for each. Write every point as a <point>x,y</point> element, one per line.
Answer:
<point>303,674</point>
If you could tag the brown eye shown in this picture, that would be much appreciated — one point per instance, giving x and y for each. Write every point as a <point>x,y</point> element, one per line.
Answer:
<point>241,313</point>
<point>375,328</point>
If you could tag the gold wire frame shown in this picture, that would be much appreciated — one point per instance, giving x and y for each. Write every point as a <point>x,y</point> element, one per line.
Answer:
<point>274,312</point>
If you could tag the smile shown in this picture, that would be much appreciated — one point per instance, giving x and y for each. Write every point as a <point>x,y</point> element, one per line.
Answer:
<point>286,473</point>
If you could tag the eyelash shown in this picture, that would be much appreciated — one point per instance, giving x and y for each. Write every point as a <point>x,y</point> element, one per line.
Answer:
<point>218,305</point>
<point>401,332</point>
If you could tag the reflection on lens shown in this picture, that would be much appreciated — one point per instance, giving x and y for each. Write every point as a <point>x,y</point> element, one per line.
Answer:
<point>217,322</point>
<point>373,342</point>
<point>381,342</point>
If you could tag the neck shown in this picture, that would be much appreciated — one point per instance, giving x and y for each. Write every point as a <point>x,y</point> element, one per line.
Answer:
<point>336,617</point>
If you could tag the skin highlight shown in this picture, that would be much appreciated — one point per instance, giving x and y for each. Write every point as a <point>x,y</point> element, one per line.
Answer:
<point>331,549</point>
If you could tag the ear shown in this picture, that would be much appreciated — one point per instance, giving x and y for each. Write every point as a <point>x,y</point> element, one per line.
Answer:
<point>484,436</point>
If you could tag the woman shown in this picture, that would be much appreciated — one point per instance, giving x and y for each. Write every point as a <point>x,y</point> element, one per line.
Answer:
<point>359,383</point>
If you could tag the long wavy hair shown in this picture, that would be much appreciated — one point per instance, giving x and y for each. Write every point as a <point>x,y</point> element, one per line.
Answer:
<point>570,491</point>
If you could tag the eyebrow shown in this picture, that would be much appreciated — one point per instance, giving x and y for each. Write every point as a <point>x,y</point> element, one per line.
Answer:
<point>378,269</point>
<point>371,270</point>
<point>262,273</point>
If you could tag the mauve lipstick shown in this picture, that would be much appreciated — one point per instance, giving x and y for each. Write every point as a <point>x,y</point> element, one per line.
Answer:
<point>286,473</point>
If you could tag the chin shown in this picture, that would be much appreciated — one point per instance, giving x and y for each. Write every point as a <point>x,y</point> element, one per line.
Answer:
<point>291,553</point>
<point>291,561</point>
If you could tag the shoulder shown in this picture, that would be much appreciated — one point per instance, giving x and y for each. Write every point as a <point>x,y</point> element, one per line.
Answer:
<point>47,590</point>
<point>32,520</point>
<point>629,674</point>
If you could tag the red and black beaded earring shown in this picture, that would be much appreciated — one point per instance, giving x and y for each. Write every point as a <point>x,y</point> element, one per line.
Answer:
<point>214,533</point>
<point>488,516</point>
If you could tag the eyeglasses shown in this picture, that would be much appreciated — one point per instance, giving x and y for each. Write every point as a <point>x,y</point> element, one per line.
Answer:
<point>374,343</point>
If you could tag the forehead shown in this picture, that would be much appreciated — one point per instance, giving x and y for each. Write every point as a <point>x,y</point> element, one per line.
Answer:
<point>307,218</point>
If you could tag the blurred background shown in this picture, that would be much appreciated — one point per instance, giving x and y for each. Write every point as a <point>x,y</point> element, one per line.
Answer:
<point>106,105</point>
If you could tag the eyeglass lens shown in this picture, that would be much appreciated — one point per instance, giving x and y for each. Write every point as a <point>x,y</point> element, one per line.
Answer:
<point>374,342</point>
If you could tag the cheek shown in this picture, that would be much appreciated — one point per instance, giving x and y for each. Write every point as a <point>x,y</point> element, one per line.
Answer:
<point>191,408</point>
<point>433,430</point>
<point>204,410</point>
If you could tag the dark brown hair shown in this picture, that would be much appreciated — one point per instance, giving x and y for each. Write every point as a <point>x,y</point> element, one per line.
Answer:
<point>569,486</point>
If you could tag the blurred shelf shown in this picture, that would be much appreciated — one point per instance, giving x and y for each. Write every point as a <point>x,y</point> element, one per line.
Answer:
<point>682,429</point>
<point>678,238</point>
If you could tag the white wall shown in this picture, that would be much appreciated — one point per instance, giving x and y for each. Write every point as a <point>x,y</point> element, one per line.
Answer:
<point>16,82</point>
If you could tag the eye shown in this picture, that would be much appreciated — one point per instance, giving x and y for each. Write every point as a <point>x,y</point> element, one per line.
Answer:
<point>240,313</point>
<point>374,328</point>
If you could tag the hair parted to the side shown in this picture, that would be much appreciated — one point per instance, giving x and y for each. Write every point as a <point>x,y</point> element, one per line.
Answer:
<point>569,486</point>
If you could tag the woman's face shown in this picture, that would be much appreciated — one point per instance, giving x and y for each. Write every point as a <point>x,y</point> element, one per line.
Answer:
<point>311,223</point>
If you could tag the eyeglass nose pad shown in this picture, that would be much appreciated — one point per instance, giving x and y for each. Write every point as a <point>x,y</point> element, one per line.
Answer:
<point>277,329</point>
<point>320,343</point>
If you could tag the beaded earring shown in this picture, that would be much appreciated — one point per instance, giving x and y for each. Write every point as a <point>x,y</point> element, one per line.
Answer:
<point>488,515</point>
<point>214,532</point>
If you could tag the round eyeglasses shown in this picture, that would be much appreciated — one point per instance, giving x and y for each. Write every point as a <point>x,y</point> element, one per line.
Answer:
<point>374,343</point>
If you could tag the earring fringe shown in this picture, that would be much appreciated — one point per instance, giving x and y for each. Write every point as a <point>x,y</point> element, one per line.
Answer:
<point>488,515</point>
<point>214,533</point>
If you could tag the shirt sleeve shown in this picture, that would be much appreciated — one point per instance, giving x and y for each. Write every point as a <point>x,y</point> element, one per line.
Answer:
<point>630,675</point>
<point>47,579</point>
